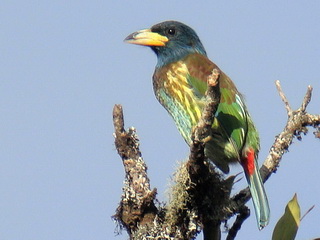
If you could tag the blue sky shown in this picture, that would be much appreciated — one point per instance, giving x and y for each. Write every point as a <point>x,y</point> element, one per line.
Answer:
<point>64,65</point>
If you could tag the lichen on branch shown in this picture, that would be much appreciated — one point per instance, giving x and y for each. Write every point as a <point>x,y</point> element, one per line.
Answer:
<point>200,196</point>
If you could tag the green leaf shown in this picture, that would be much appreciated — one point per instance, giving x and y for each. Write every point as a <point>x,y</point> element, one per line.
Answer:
<point>287,226</point>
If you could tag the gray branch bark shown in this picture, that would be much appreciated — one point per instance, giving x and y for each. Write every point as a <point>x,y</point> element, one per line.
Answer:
<point>200,197</point>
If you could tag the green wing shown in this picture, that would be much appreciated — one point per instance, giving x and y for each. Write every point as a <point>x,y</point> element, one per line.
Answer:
<point>231,116</point>
<point>231,113</point>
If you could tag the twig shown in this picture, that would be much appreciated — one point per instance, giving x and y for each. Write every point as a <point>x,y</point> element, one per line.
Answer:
<point>296,124</point>
<point>307,212</point>
<point>283,97</point>
<point>244,213</point>
<point>307,99</point>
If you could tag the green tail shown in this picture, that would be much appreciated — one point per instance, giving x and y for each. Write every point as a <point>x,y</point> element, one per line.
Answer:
<point>259,198</point>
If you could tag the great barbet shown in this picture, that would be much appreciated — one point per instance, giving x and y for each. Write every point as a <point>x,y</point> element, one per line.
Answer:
<point>180,83</point>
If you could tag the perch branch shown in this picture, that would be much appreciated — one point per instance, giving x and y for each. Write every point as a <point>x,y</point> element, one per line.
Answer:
<point>209,192</point>
<point>198,189</point>
<point>201,198</point>
<point>189,208</point>
<point>202,131</point>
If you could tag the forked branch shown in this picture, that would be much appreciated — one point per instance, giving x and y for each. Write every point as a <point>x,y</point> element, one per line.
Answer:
<point>200,198</point>
<point>297,123</point>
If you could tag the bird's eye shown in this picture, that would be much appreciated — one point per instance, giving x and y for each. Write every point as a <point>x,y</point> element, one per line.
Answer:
<point>171,31</point>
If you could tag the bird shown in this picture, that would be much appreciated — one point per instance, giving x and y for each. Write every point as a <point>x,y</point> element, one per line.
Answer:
<point>180,84</point>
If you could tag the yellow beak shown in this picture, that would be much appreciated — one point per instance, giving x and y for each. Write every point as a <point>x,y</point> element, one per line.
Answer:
<point>146,38</point>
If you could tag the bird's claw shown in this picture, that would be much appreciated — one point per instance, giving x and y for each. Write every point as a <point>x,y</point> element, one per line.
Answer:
<point>206,139</point>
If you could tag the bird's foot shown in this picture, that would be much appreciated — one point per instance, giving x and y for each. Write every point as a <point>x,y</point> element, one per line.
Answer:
<point>206,139</point>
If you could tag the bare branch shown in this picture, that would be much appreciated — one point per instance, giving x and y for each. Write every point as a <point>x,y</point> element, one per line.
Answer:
<point>307,99</point>
<point>137,201</point>
<point>200,196</point>
<point>244,213</point>
<point>283,97</point>
<point>296,124</point>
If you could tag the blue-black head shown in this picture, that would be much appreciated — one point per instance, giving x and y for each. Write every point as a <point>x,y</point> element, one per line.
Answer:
<point>170,40</point>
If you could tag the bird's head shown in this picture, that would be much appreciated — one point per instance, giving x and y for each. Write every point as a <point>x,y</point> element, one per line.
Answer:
<point>170,40</point>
